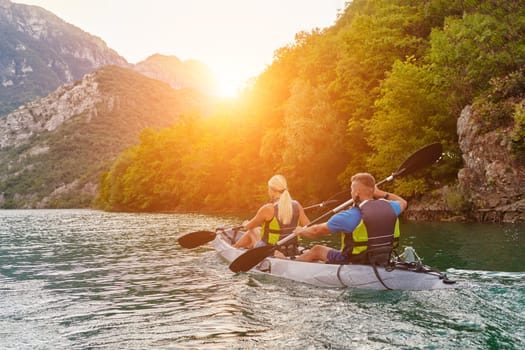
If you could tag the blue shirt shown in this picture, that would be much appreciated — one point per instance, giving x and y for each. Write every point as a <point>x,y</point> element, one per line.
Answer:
<point>348,220</point>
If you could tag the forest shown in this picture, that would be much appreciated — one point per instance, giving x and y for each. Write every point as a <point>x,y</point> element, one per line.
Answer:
<point>389,77</point>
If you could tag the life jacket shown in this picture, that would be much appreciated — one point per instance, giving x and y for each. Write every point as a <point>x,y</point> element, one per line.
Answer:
<point>274,230</point>
<point>379,228</point>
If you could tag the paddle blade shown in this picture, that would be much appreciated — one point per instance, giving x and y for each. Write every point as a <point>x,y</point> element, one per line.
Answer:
<point>252,257</point>
<point>420,159</point>
<point>195,239</point>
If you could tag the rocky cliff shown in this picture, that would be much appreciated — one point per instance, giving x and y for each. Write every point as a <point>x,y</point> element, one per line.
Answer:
<point>39,52</point>
<point>49,113</point>
<point>492,177</point>
<point>490,186</point>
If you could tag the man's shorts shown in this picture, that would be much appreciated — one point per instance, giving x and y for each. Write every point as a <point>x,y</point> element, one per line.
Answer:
<point>335,256</point>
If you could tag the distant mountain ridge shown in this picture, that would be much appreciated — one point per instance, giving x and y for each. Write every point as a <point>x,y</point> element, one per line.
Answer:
<point>39,52</point>
<point>179,74</point>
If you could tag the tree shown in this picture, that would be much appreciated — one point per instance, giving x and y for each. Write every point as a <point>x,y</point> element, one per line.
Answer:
<point>410,114</point>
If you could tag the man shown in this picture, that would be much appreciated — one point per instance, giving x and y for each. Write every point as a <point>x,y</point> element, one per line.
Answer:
<point>371,223</point>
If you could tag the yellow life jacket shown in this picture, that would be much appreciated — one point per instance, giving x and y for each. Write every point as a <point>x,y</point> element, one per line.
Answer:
<point>379,227</point>
<point>274,230</point>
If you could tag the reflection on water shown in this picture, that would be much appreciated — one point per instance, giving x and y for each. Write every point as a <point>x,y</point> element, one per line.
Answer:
<point>77,279</point>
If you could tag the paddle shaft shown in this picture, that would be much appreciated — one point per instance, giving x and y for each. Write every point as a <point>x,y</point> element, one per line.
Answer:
<point>322,204</point>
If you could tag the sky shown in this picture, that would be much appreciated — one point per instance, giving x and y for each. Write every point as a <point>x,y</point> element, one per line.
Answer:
<point>235,38</point>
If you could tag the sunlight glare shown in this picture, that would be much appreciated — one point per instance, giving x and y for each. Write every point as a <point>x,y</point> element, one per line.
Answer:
<point>229,84</point>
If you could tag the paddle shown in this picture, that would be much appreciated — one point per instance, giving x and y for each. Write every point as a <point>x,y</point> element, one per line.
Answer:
<point>422,158</point>
<point>198,238</point>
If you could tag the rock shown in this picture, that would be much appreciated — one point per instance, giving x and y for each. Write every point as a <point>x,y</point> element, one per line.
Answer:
<point>49,113</point>
<point>491,185</point>
<point>40,52</point>
<point>491,176</point>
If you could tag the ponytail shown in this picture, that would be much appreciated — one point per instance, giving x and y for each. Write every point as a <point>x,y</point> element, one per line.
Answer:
<point>278,184</point>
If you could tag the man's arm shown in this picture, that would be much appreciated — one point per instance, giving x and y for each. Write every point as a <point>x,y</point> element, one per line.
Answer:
<point>313,231</point>
<point>391,197</point>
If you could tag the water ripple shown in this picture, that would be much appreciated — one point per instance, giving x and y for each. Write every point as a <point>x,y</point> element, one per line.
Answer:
<point>86,279</point>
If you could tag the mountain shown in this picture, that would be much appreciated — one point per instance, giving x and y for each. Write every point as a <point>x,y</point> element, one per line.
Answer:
<point>179,74</point>
<point>69,105</point>
<point>54,149</point>
<point>39,52</point>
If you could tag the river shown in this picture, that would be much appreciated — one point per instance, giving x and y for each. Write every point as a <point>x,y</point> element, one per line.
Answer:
<point>82,279</point>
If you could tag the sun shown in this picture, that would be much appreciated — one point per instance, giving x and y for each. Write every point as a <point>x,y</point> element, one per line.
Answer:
<point>232,78</point>
<point>228,84</point>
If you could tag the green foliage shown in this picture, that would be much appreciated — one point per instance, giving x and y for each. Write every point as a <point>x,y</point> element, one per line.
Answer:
<point>421,99</point>
<point>313,135</point>
<point>456,199</point>
<point>501,106</point>
<point>469,51</point>
<point>387,78</point>
<point>410,187</point>
<point>517,135</point>
<point>495,108</point>
<point>145,177</point>
<point>190,165</point>
<point>409,115</point>
<point>379,33</point>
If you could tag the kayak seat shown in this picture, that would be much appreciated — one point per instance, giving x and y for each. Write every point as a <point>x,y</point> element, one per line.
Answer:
<point>379,256</point>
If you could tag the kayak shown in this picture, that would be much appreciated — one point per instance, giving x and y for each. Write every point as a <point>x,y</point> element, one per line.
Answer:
<point>405,272</point>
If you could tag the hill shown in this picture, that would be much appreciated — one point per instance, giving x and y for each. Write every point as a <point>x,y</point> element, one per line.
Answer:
<point>53,149</point>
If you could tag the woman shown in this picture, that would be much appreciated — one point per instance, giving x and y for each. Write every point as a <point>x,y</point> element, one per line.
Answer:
<point>275,220</point>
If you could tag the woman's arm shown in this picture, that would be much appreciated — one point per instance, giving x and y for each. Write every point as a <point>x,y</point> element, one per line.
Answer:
<point>265,213</point>
<point>303,219</point>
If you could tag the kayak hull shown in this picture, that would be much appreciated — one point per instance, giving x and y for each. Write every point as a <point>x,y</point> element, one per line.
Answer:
<point>402,277</point>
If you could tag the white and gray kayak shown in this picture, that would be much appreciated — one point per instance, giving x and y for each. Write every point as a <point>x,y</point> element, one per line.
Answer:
<point>401,274</point>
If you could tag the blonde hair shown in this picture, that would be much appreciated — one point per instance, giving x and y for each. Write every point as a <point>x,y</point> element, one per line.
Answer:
<point>278,184</point>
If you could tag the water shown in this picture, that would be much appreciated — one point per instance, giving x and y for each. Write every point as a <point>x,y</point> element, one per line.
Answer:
<point>78,279</point>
